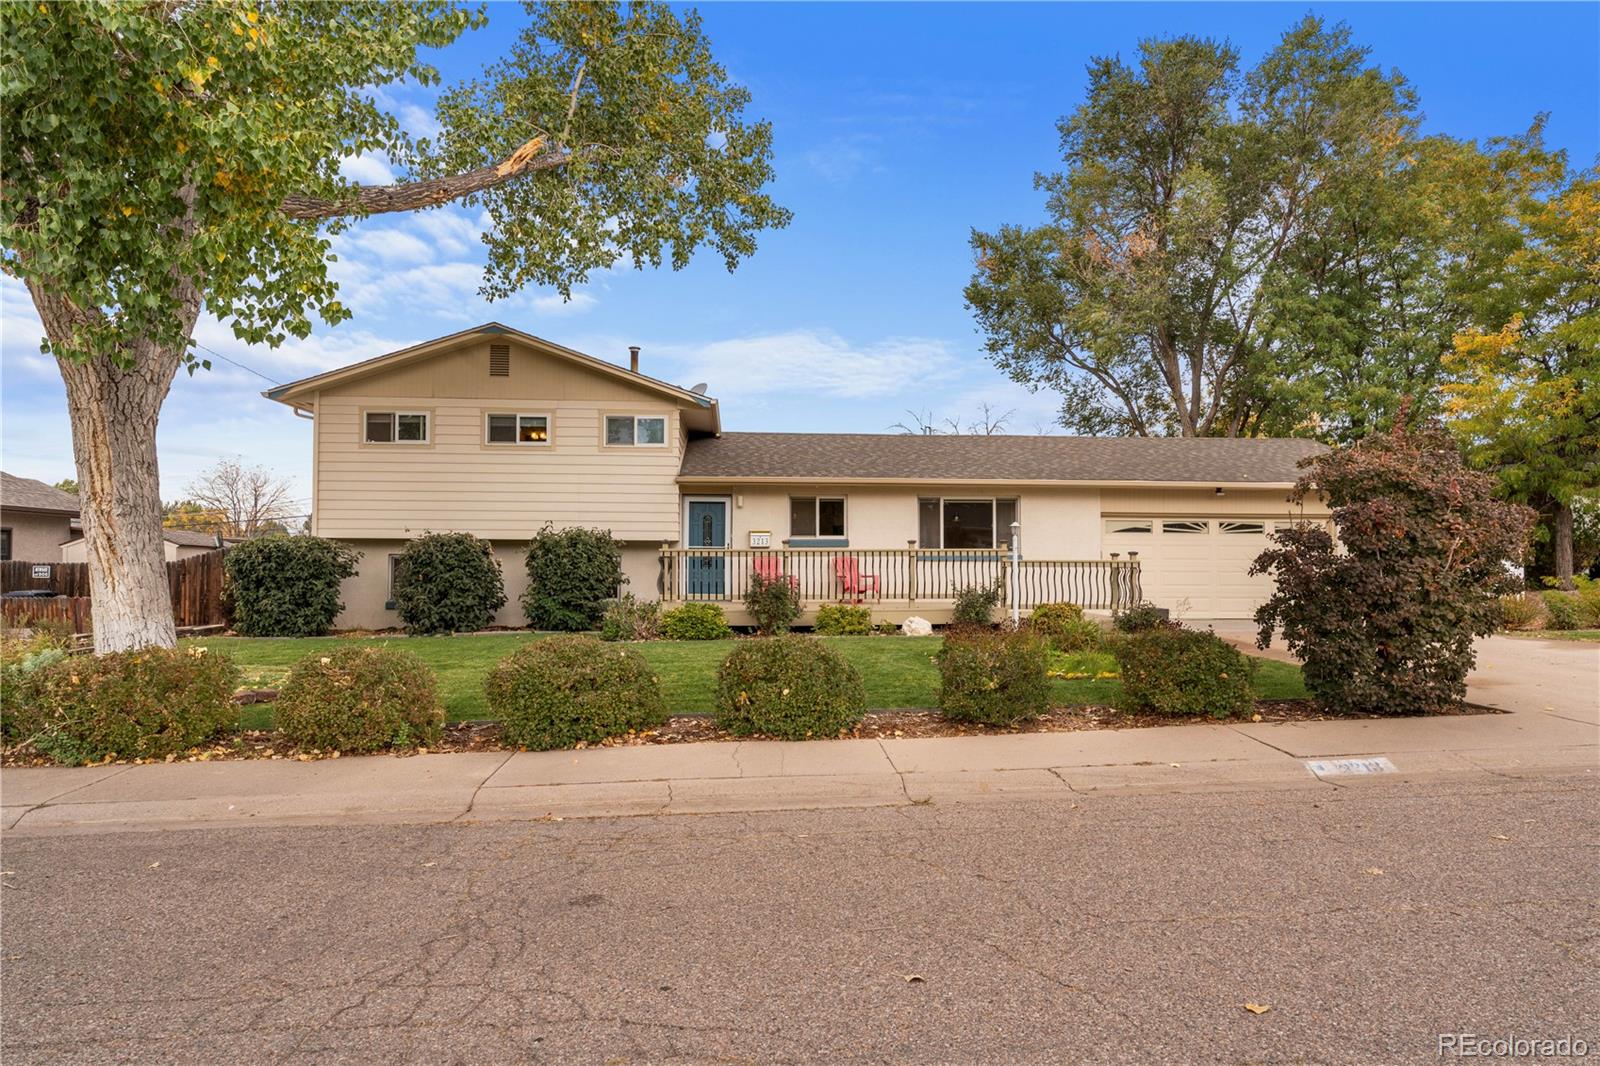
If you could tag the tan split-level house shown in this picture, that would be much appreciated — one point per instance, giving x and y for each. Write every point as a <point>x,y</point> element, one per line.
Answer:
<point>497,432</point>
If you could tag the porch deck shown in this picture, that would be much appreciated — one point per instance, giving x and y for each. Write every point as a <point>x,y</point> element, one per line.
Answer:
<point>899,582</point>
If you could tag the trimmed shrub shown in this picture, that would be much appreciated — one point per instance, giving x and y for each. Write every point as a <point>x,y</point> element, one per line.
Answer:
<point>571,689</point>
<point>1521,611</point>
<point>975,604</point>
<point>1384,622</point>
<point>791,686</point>
<point>627,618</point>
<point>696,621</point>
<point>843,620</point>
<point>1064,627</point>
<point>1183,671</point>
<point>447,583</point>
<point>1145,616</point>
<point>144,704</point>
<point>283,586</point>
<point>992,676</point>
<point>571,575</point>
<point>20,660</point>
<point>1577,609</point>
<point>360,698</point>
<point>773,602</point>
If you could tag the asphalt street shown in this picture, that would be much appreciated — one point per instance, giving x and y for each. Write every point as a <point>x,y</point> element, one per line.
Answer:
<point>1115,928</point>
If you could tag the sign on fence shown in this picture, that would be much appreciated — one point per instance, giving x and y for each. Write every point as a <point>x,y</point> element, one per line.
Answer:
<point>40,570</point>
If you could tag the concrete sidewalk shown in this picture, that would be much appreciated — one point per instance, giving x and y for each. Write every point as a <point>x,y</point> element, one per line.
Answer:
<point>768,775</point>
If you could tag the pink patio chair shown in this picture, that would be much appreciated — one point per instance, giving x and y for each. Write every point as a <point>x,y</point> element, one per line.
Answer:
<point>770,568</point>
<point>853,584</point>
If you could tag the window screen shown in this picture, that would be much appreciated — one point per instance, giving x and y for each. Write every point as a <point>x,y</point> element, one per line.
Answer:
<point>802,516</point>
<point>1005,513</point>
<point>928,522</point>
<point>502,429</point>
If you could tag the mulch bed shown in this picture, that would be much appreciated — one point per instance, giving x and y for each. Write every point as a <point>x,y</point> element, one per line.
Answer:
<point>692,729</point>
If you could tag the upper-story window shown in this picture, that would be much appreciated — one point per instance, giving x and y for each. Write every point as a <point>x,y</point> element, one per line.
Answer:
<point>396,427</point>
<point>517,429</point>
<point>636,430</point>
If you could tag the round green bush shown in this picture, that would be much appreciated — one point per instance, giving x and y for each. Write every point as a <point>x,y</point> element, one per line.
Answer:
<point>359,698</point>
<point>1182,672</point>
<point>993,676</point>
<point>788,686</point>
<point>571,573</point>
<point>564,690</point>
<point>1143,616</point>
<point>843,620</point>
<point>447,583</point>
<point>283,586</point>
<point>144,704</point>
<point>696,621</point>
<point>1064,627</point>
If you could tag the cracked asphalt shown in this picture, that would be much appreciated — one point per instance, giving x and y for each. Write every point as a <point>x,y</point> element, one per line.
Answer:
<point>1089,929</point>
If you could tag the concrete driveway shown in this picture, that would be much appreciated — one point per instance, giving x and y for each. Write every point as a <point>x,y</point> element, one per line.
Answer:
<point>1560,677</point>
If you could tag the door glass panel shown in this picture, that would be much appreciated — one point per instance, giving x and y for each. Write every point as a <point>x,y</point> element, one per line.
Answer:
<point>1236,527</point>
<point>1129,525</point>
<point>708,530</point>
<point>1186,525</point>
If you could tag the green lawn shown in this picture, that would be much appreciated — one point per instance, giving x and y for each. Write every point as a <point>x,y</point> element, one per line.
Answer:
<point>1556,634</point>
<point>899,671</point>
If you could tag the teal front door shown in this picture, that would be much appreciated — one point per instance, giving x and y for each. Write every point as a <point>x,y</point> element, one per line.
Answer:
<point>708,528</point>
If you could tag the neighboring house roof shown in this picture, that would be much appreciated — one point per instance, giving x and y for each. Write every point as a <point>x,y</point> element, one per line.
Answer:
<point>191,538</point>
<point>912,457</point>
<point>296,391</point>
<point>27,494</point>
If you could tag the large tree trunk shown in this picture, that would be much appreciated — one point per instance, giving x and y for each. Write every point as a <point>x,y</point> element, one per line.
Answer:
<point>114,414</point>
<point>1561,527</point>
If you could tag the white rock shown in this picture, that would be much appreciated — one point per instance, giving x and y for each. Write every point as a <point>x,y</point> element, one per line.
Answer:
<point>916,627</point>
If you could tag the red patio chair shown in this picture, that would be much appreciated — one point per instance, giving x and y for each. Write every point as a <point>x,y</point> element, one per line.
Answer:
<point>852,582</point>
<point>770,568</point>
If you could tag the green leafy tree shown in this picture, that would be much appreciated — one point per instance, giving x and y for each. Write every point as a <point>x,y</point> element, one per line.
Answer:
<point>1524,388</point>
<point>1191,193</point>
<point>164,156</point>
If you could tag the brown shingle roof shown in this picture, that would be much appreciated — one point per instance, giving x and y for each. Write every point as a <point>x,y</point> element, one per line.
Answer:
<point>878,456</point>
<point>31,495</point>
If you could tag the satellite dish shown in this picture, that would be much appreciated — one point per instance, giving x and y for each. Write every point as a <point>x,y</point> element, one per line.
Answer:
<point>699,390</point>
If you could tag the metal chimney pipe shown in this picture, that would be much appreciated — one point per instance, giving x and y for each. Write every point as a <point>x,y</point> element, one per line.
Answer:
<point>633,358</point>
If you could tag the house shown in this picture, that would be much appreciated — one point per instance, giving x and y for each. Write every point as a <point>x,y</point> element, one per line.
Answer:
<point>35,519</point>
<point>497,432</point>
<point>177,544</point>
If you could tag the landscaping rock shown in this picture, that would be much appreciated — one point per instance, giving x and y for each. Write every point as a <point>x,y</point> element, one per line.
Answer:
<point>916,627</point>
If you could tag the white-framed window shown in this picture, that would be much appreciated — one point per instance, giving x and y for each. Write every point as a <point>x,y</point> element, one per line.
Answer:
<point>816,516</point>
<point>1129,525</point>
<point>510,428</point>
<point>394,562</point>
<point>636,431</point>
<point>1239,527</point>
<point>1186,525</point>
<point>965,523</point>
<point>395,427</point>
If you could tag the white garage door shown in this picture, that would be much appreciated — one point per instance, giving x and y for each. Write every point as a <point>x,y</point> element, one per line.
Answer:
<point>1196,567</point>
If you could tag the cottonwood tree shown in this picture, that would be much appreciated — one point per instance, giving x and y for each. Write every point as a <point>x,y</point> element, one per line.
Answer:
<point>1524,387</point>
<point>1146,298</point>
<point>247,500</point>
<point>162,157</point>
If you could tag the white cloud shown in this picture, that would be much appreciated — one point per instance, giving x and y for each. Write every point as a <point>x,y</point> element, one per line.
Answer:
<point>815,363</point>
<point>20,334</point>
<point>388,244</point>
<point>841,159</point>
<point>367,169</point>
<point>451,231</point>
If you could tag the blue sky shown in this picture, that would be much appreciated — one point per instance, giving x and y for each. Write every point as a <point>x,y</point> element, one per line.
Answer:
<point>898,128</point>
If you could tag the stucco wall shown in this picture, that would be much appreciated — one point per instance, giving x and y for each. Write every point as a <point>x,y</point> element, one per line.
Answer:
<point>36,536</point>
<point>366,594</point>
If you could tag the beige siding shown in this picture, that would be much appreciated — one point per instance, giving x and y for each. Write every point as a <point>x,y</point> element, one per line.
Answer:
<point>457,481</point>
<point>1180,501</point>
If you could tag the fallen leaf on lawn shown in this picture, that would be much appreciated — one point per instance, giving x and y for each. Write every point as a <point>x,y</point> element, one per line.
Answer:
<point>427,864</point>
<point>915,979</point>
<point>155,864</point>
<point>1257,1008</point>
<point>1374,871</point>
<point>1255,717</point>
<point>1499,836</point>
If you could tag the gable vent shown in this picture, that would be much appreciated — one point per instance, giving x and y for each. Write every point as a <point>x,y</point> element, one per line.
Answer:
<point>499,360</point>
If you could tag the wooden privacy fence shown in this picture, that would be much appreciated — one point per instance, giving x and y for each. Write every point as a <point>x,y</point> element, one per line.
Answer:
<point>903,575</point>
<point>195,585</point>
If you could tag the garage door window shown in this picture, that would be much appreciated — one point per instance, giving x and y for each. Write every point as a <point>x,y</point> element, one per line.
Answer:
<point>1186,525</point>
<point>1242,528</point>
<point>1128,525</point>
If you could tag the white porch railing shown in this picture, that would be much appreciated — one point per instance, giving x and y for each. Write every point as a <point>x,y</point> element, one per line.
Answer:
<point>896,575</point>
